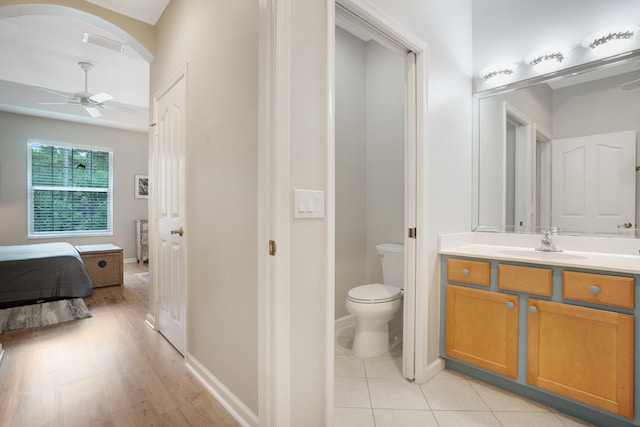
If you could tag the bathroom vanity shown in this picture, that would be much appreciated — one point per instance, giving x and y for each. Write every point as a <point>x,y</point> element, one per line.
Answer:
<point>560,328</point>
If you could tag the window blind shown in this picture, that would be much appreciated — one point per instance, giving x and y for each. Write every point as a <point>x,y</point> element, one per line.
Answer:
<point>70,190</point>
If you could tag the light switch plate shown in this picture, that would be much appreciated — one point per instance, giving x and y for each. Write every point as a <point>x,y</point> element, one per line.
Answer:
<point>308,204</point>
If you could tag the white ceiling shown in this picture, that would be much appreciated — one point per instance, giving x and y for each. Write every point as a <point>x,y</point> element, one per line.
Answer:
<point>40,50</point>
<point>507,31</point>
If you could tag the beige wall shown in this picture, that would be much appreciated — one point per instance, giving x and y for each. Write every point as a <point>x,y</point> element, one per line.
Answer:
<point>218,40</point>
<point>351,167</point>
<point>129,159</point>
<point>385,155</point>
<point>308,245</point>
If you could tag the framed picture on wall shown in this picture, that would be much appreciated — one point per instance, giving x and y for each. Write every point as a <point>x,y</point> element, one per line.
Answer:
<point>141,187</point>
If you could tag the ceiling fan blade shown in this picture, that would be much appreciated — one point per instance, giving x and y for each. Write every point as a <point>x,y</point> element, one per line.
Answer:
<point>119,107</point>
<point>64,95</point>
<point>633,84</point>
<point>93,111</point>
<point>54,103</point>
<point>99,98</point>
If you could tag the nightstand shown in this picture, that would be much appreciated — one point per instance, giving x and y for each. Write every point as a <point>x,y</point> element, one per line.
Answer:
<point>104,263</point>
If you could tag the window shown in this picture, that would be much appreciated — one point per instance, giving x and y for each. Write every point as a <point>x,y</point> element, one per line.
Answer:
<point>70,190</point>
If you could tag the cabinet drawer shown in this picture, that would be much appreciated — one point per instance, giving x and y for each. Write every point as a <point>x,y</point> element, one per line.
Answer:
<point>105,269</point>
<point>530,280</point>
<point>466,271</point>
<point>601,289</point>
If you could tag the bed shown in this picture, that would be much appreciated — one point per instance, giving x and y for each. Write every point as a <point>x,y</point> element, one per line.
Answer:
<point>41,272</point>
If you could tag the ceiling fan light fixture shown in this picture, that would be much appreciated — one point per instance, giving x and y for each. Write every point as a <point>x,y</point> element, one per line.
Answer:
<point>611,41</point>
<point>103,42</point>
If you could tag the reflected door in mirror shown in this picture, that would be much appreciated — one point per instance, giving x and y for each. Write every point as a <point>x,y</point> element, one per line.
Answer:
<point>594,182</point>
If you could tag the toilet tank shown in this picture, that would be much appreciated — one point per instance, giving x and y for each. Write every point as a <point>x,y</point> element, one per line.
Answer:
<point>392,258</point>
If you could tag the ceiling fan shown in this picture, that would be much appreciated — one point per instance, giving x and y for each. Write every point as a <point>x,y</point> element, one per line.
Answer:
<point>91,103</point>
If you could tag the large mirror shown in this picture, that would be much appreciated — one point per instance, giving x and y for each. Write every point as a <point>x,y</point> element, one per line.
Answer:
<point>559,148</point>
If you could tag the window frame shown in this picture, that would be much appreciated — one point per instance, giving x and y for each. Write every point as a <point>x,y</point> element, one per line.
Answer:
<point>31,234</point>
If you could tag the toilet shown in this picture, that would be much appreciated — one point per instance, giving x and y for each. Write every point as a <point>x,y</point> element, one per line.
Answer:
<point>374,305</point>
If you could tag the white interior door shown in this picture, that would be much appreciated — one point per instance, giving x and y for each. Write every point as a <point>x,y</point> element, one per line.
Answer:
<point>594,182</point>
<point>411,159</point>
<point>169,210</point>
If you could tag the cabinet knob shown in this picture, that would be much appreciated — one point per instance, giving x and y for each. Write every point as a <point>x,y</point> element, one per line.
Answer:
<point>465,272</point>
<point>510,305</point>
<point>595,290</point>
<point>533,309</point>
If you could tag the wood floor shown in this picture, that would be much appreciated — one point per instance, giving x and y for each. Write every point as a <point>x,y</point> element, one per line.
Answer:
<point>108,370</point>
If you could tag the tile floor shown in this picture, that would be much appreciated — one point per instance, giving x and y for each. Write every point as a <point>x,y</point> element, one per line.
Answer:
<point>372,393</point>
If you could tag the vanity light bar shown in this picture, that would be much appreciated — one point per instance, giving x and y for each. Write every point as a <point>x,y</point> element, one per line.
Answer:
<point>550,60</point>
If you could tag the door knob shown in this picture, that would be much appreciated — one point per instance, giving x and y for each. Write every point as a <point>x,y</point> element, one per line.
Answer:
<point>625,225</point>
<point>179,231</point>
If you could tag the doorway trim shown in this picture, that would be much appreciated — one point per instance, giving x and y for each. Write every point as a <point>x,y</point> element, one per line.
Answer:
<point>522,168</point>
<point>274,342</point>
<point>542,175</point>
<point>379,21</point>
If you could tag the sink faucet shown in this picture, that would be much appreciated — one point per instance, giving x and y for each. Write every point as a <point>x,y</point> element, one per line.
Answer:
<point>547,244</point>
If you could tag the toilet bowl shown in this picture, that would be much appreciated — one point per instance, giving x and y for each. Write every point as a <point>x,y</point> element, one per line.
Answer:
<point>374,305</point>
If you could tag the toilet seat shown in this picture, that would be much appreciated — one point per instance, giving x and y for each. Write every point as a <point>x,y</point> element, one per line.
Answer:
<point>374,294</point>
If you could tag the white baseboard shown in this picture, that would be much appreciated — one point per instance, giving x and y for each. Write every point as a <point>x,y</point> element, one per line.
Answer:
<point>238,410</point>
<point>130,260</point>
<point>434,368</point>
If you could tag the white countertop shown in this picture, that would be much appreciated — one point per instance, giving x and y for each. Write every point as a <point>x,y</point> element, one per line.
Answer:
<point>460,245</point>
<point>629,264</point>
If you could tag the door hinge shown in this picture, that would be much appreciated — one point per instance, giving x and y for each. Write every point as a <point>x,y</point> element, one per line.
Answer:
<point>272,247</point>
<point>413,233</point>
